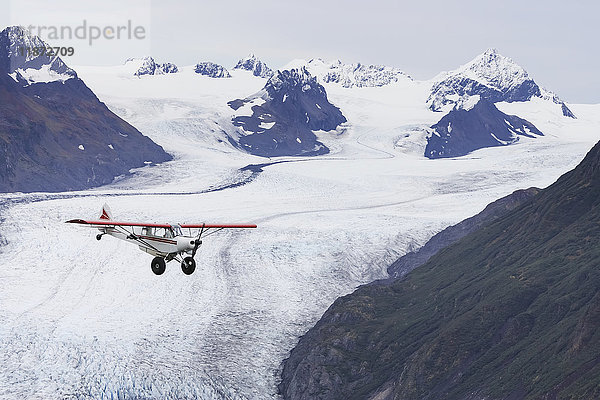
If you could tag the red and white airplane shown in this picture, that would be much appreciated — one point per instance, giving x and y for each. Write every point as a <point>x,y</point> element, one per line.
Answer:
<point>166,242</point>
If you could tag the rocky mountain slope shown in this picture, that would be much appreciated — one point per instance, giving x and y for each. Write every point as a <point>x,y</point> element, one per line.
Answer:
<point>474,124</point>
<point>511,311</point>
<point>494,78</point>
<point>282,117</point>
<point>454,233</point>
<point>55,134</point>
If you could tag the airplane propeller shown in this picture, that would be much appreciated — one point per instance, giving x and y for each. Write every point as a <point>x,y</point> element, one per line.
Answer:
<point>197,244</point>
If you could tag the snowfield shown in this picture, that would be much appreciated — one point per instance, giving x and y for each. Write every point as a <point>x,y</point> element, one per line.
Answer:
<point>86,319</point>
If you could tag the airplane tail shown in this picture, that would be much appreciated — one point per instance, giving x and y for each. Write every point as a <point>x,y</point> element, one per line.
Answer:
<point>106,213</point>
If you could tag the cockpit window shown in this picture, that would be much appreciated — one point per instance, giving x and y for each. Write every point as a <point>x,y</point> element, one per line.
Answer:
<point>168,232</point>
<point>177,230</point>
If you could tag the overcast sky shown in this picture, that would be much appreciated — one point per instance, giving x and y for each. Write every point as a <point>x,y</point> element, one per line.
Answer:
<point>555,41</point>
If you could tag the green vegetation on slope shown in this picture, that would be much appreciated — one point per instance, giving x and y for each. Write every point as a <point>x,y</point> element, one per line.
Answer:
<point>510,311</point>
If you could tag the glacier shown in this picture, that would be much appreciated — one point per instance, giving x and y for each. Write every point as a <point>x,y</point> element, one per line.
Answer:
<point>87,319</point>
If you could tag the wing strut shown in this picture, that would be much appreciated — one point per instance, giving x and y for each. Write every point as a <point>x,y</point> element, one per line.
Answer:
<point>131,235</point>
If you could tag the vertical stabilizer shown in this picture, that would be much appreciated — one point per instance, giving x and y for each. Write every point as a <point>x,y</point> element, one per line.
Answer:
<point>106,213</point>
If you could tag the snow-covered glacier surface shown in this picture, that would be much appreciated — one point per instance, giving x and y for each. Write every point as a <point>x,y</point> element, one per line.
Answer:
<point>86,319</point>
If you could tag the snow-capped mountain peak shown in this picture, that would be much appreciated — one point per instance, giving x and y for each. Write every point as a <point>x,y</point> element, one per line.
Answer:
<point>493,77</point>
<point>495,70</point>
<point>25,66</point>
<point>212,70</point>
<point>254,65</point>
<point>361,75</point>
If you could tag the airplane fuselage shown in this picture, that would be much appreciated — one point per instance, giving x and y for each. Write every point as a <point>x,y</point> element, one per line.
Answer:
<point>160,242</point>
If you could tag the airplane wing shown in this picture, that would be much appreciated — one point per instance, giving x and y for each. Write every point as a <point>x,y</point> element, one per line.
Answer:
<point>108,222</point>
<point>223,226</point>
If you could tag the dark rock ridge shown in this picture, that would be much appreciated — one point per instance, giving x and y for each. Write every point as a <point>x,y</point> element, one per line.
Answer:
<point>454,233</point>
<point>473,127</point>
<point>566,112</point>
<point>150,67</point>
<point>168,68</point>
<point>494,78</point>
<point>254,65</point>
<point>284,114</point>
<point>212,70</point>
<point>55,135</point>
<point>510,311</point>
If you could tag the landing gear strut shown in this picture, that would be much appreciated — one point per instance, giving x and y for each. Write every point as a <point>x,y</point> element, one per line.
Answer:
<point>159,265</point>
<point>188,265</point>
